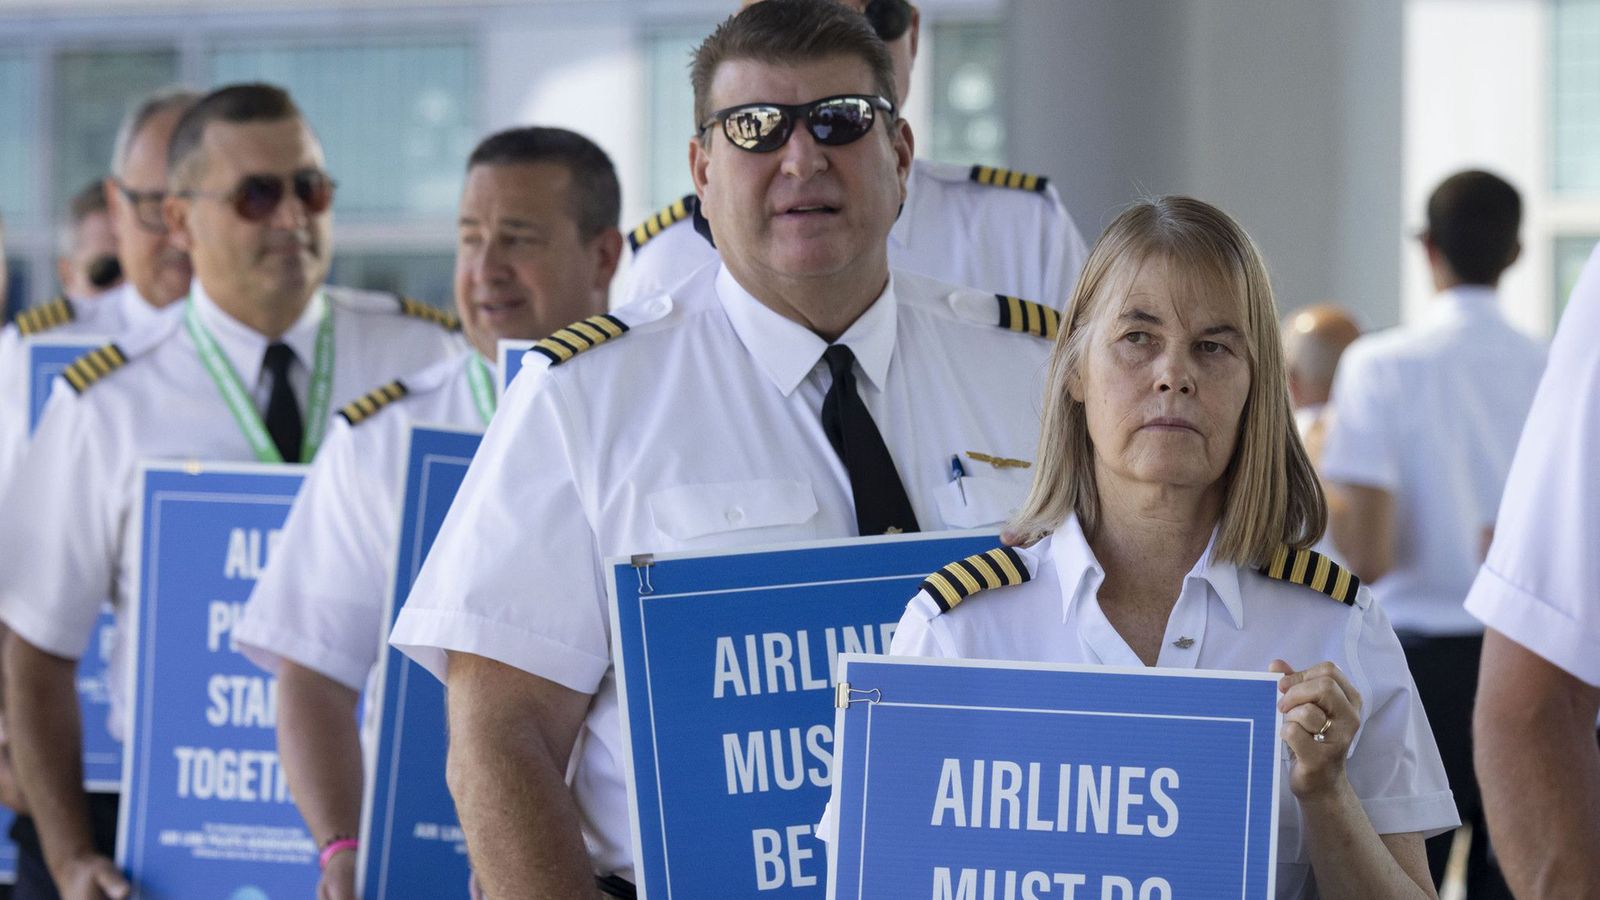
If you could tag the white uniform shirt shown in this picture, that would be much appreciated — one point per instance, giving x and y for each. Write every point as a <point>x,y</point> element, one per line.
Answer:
<point>1001,240</point>
<point>1238,619</point>
<point>1431,414</point>
<point>1541,583</point>
<point>69,514</point>
<point>118,312</point>
<point>700,430</point>
<point>321,605</point>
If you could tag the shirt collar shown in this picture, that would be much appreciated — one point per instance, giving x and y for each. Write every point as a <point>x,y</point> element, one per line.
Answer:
<point>1465,301</point>
<point>246,348</point>
<point>1079,573</point>
<point>787,351</point>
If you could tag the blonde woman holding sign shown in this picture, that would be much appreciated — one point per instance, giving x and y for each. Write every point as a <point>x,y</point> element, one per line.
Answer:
<point>1170,498</point>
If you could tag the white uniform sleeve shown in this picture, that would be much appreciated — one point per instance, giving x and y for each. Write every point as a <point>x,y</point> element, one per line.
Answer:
<point>63,526</point>
<point>1395,767</point>
<point>1067,256</point>
<point>915,635</point>
<point>320,603</point>
<point>1361,447</point>
<point>665,262</point>
<point>1541,583</point>
<point>514,575</point>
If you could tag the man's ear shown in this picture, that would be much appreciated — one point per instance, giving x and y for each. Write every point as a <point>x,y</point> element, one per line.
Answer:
<point>176,210</point>
<point>607,246</point>
<point>915,31</point>
<point>905,148</point>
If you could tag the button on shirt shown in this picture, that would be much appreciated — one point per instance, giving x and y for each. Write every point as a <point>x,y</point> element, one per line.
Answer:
<point>1019,243</point>
<point>1431,414</point>
<point>322,604</point>
<point>70,509</point>
<point>119,312</point>
<point>700,429</point>
<point>1541,583</point>
<point>1235,619</point>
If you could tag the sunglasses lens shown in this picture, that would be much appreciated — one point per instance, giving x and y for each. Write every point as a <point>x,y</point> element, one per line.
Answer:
<point>841,120</point>
<point>757,128</point>
<point>256,197</point>
<point>315,190</point>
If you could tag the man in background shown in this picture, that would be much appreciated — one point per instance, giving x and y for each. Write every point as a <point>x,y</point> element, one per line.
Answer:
<point>1425,419</point>
<point>86,248</point>
<point>1313,340</point>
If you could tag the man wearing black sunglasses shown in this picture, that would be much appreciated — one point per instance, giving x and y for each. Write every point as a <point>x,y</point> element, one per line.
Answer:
<point>802,390</point>
<point>248,368</point>
<point>992,229</point>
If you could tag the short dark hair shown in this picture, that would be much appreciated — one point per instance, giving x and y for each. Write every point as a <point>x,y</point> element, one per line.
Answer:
<point>891,19</point>
<point>787,32</point>
<point>1473,219</point>
<point>596,196</point>
<point>90,199</point>
<point>234,104</point>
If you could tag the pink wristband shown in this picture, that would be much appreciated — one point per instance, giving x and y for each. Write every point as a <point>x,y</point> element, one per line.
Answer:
<point>335,848</point>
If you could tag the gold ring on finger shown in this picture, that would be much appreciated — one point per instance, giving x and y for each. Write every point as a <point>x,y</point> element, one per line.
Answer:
<point>1322,733</point>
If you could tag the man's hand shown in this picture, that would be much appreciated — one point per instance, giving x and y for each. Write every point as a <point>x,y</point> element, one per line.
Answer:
<point>91,877</point>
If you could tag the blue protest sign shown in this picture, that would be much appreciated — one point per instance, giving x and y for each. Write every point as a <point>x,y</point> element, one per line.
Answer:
<point>47,357</point>
<point>206,810</point>
<point>102,754</point>
<point>411,841</point>
<point>724,670</point>
<point>511,351</point>
<point>981,779</point>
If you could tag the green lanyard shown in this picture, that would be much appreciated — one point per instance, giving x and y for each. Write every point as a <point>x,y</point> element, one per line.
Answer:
<point>244,408</point>
<point>482,386</point>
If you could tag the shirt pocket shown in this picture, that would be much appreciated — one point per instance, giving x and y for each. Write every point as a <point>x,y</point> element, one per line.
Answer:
<point>973,501</point>
<point>690,511</point>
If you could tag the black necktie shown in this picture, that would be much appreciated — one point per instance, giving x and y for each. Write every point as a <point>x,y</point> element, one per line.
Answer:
<point>283,421</point>
<point>881,501</point>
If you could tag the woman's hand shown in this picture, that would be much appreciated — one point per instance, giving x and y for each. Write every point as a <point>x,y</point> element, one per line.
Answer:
<point>1319,701</point>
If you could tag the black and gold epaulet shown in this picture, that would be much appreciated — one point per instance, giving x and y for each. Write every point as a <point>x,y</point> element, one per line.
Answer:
<point>93,366</point>
<point>40,319</point>
<point>671,214</point>
<point>367,405</point>
<point>1028,317</point>
<point>585,334</point>
<point>1311,569</point>
<point>1008,178</point>
<point>427,312</point>
<point>1000,567</point>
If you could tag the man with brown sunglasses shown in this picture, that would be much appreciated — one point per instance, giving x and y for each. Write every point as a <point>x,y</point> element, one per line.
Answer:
<point>248,368</point>
<point>983,227</point>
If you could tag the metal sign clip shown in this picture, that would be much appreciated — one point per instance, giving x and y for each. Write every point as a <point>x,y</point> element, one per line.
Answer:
<point>842,695</point>
<point>642,563</point>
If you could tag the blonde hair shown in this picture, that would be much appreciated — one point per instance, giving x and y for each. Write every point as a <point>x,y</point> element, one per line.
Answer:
<point>1271,493</point>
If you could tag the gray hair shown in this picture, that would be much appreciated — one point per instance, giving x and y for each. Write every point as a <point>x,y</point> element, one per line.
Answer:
<point>168,99</point>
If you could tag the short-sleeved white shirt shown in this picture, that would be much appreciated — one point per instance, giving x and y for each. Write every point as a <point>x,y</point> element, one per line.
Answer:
<point>700,429</point>
<point>1003,240</point>
<point>68,528</point>
<point>117,312</point>
<point>321,604</point>
<point>1541,583</point>
<point>1431,414</point>
<point>1237,619</point>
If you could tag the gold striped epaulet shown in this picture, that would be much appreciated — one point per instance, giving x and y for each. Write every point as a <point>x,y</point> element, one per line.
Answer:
<point>40,319</point>
<point>1007,178</point>
<point>427,312</point>
<point>1311,569</point>
<point>1000,567</point>
<point>93,366</point>
<point>367,405</point>
<point>1028,317</point>
<point>671,214</point>
<point>585,334</point>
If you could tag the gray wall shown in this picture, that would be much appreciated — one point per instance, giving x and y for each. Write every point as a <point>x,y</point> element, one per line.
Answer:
<point>1284,112</point>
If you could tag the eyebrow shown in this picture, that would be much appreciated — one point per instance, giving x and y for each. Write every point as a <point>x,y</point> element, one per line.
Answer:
<point>1146,318</point>
<point>517,224</point>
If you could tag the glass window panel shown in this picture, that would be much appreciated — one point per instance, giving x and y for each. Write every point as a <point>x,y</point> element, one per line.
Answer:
<point>968,121</point>
<point>397,119</point>
<point>1575,90</point>
<point>19,89</point>
<point>668,52</point>
<point>94,89</point>
<point>1571,253</point>
<point>423,276</point>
